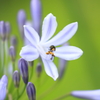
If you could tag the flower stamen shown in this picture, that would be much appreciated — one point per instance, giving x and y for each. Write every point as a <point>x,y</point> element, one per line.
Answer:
<point>49,52</point>
<point>52,48</point>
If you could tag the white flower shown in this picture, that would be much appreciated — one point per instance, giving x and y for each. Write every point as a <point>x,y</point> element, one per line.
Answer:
<point>87,94</point>
<point>41,46</point>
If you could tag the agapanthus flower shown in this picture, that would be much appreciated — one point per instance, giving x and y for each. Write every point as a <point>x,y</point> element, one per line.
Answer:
<point>3,85</point>
<point>42,46</point>
<point>87,94</point>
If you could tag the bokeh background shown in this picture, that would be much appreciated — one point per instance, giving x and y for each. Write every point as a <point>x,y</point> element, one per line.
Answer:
<point>80,74</point>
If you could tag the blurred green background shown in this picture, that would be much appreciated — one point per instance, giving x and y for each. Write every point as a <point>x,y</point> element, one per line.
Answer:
<point>81,74</point>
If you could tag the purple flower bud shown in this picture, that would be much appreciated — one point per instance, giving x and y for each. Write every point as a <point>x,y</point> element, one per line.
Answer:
<point>31,91</point>
<point>62,64</point>
<point>3,30</point>
<point>62,67</point>
<point>16,78</point>
<point>39,69</point>
<point>21,19</point>
<point>23,67</point>
<point>3,85</point>
<point>36,14</point>
<point>13,41</point>
<point>8,29</point>
<point>12,53</point>
<point>87,94</point>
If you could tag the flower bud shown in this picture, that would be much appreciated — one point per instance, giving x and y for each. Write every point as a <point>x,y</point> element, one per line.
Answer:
<point>39,69</point>
<point>62,67</point>
<point>23,67</point>
<point>36,14</point>
<point>12,53</point>
<point>16,78</point>
<point>31,91</point>
<point>3,85</point>
<point>62,64</point>
<point>8,29</point>
<point>13,41</point>
<point>2,30</point>
<point>21,20</point>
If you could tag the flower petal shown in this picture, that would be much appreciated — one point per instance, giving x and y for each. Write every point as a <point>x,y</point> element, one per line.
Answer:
<point>50,68</point>
<point>64,35</point>
<point>68,52</point>
<point>3,84</point>
<point>31,34</point>
<point>49,27</point>
<point>29,53</point>
<point>3,91</point>
<point>4,79</point>
<point>87,94</point>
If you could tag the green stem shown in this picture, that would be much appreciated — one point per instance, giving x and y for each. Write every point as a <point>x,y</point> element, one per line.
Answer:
<point>3,57</point>
<point>31,73</point>
<point>7,60</point>
<point>13,63</point>
<point>6,48</point>
<point>47,91</point>
<point>21,92</point>
<point>63,96</point>
<point>17,92</point>
<point>11,87</point>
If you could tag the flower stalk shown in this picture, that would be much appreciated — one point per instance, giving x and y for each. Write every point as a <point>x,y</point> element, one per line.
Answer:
<point>63,96</point>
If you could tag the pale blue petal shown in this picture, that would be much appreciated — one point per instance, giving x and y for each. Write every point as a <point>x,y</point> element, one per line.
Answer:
<point>4,79</point>
<point>87,94</point>
<point>2,91</point>
<point>50,68</point>
<point>3,84</point>
<point>26,41</point>
<point>49,27</point>
<point>31,35</point>
<point>64,35</point>
<point>68,52</point>
<point>29,53</point>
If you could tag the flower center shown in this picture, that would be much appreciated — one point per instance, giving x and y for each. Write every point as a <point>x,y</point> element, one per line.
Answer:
<point>45,52</point>
<point>50,52</point>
